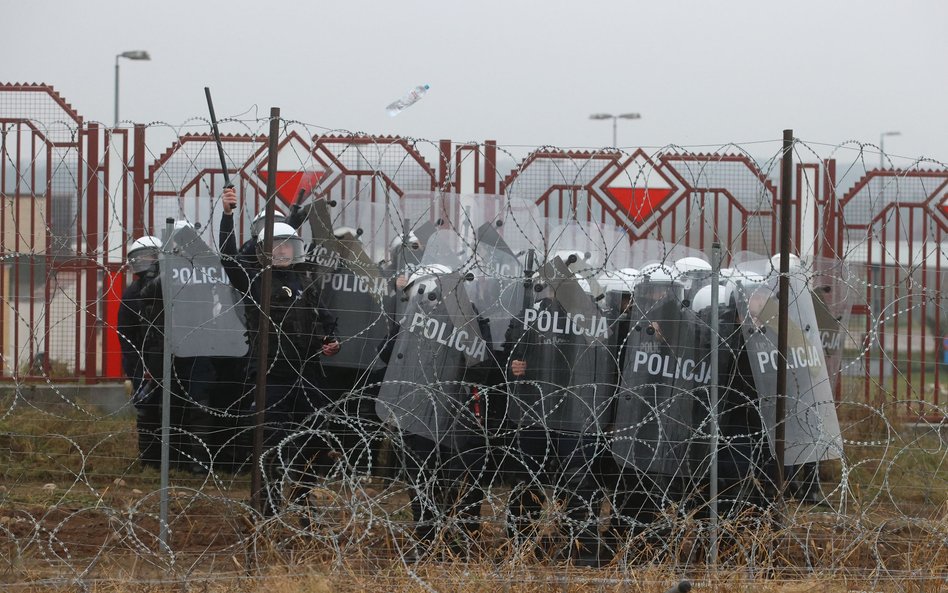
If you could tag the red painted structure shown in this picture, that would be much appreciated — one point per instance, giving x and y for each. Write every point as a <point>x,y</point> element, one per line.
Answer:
<point>74,194</point>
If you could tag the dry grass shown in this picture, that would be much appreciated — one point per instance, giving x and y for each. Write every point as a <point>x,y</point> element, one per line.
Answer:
<point>476,580</point>
<point>887,531</point>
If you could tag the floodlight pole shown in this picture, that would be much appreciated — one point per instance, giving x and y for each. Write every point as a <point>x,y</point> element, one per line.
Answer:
<point>615,125</point>
<point>129,55</point>
<point>882,146</point>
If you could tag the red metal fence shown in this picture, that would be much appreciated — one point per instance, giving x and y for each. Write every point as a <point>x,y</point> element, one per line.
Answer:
<point>74,193</point>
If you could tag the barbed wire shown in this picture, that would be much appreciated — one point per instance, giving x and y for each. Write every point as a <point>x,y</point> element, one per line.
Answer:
<point>446,461</point>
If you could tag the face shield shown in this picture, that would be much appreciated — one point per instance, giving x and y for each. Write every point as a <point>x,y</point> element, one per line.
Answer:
<point>143,254</point>
<point>142,259</point>
<point>618,287</point>
<point>287,247</point>
<point>653,292</point>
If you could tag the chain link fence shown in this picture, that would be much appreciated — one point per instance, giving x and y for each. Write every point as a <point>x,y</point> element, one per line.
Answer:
<point>524,394</point>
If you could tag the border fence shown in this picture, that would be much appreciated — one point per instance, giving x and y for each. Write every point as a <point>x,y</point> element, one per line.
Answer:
<point>75,193</point>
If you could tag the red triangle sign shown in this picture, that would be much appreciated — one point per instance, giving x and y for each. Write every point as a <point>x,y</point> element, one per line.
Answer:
<point>638,203</point>
<point>638,189</point>
<point>291,184</point>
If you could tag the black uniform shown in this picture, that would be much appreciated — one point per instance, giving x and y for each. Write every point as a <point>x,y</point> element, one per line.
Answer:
<point>232,394</point>
<point>430,396</point>
<point>658,437</point>
<point>555,413</point>
<point>141,323</point>
<point>146,394</point>
<point>294,398</point>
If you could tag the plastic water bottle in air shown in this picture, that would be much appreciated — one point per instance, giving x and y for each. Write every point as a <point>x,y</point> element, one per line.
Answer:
<point>408,100</point>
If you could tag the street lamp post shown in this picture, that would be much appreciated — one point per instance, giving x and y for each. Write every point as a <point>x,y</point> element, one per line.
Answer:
<point>137,54</point>
<point>615,119</point>
<point>882,146</point>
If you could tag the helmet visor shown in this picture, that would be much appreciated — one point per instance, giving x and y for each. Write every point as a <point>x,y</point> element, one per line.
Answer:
<point>141,260</point>
<point>286,251</point>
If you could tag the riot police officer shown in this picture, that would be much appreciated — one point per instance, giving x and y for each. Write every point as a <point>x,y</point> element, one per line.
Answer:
<point>192,426</point>
<point>744,464</point>
<point>811,427</point>
<point>136,319</point>
<point>299,337</point>
<point>560,369</point>
<point>360,302</point>
<point>656,438</point>
<point>428,399</point>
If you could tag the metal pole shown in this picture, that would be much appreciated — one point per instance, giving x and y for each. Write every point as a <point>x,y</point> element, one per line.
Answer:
<point>258,498</point>
<point>165,386</point>
<point>615,126</point>
<point>115,125</point>
<point>713,396</point>
<point>783,320</point>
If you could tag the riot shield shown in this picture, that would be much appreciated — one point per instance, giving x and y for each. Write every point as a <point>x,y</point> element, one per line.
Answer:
<point>195,287</point>
<point>562,337</point>
<point>812,429</point>
<point>833,288</point>
<point>497,288</point>
<point>323,255</point>
<point>661,403</point>
<point>423,392</point>
<point>421,214</point>
<point>355,294</point>
<point>585,247</point>
<point>688,266</point>
<point>462,213</point>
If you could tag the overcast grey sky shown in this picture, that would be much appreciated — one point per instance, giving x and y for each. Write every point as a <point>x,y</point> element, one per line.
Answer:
<point>526,73</point>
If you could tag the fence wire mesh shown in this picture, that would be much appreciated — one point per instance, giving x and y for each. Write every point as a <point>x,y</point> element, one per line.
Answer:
<point>523,384</point>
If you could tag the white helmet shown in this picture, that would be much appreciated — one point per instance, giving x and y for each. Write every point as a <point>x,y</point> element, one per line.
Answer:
<point>745,283</point>
<point>748,278</point>
<point>794,261</point>
<point>287,246</point>
<point>425,278</point>
<point>347,232</point>
<point>143,253</point>
<point>412,240</point>
<point>702,298</point>
<point>692,264</point>
<point>256,225</point>
<point>692,269</point>
<point>795,264</point>
<point>658,273</point>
